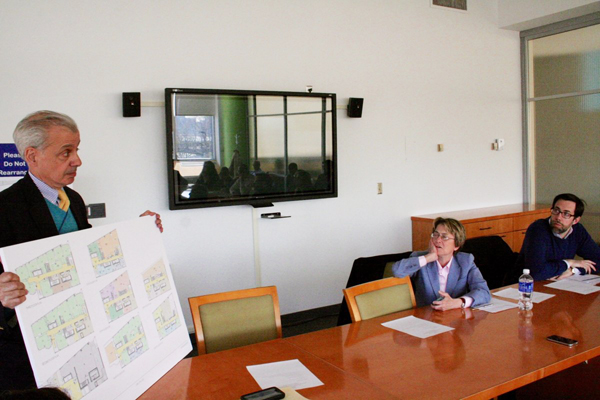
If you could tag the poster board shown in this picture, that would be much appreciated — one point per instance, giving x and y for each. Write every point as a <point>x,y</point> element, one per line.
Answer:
<point>102,319</point>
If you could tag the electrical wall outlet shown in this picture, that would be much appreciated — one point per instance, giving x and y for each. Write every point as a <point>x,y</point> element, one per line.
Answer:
<point>379,188</point>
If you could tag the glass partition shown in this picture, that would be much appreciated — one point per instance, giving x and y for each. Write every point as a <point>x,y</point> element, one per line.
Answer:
<point>563,116</point>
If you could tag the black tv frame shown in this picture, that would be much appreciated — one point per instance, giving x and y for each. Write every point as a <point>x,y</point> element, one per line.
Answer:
<point>256,200</point>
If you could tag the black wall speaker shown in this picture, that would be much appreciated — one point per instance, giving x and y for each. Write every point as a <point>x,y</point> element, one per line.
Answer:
<point>132,105</point>
<point>355,107</point>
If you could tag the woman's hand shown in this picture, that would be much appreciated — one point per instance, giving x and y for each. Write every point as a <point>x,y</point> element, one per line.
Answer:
<point>432,255</point>
<point>447,303</point>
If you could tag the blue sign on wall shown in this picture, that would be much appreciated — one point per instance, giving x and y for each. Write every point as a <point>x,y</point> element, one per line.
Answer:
<point>11,163</point>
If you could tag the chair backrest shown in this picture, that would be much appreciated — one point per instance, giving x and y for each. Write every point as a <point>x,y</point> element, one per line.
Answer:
<point>367,269</point>
<point>381,297</point>
<point>387,271</point>
<point>233,319</point>
<point>494,258</point>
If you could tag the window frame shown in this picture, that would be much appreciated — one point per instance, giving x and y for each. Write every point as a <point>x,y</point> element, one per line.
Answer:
<point>529,195</point>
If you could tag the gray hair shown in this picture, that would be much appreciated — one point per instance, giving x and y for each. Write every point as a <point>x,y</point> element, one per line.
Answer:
<point>32,131</point>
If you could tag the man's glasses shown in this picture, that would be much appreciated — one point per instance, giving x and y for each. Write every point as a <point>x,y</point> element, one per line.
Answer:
<point>443,236</point>
<point>565,214</point>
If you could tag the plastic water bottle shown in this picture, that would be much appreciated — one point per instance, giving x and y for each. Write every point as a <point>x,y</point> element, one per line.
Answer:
<point>525,291</point>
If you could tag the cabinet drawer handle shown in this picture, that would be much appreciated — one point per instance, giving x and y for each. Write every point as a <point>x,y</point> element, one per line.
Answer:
<point>485,229</point>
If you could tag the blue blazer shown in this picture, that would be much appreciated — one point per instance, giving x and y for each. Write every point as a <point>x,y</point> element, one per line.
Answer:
<point>464,279</point>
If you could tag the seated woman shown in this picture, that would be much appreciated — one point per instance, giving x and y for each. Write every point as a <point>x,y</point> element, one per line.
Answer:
<point>442,276</point>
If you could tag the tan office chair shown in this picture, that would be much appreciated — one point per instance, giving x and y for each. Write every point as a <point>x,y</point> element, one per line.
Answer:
<point>233,319</point>
<point>367,269</point>
<point>381,297</point>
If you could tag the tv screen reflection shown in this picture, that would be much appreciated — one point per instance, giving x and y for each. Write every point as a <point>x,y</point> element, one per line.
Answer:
<point>242,147</point>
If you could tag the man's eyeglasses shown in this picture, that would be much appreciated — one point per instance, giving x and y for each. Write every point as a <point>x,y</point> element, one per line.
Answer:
<point>443,236</point>
<point>565,214</point>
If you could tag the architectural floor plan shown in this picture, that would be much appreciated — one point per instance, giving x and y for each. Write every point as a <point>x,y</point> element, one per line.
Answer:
<point>106,254</point>
<point>166,317</point>
<point>156,281</point>
<point>102,319</point>
<point>82,373</point>
<point>49,273</point>
<point>118,298</point>
<point>64,325</point>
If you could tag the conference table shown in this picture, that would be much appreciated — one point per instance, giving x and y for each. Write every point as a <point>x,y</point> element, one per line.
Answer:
<point>485,355</point>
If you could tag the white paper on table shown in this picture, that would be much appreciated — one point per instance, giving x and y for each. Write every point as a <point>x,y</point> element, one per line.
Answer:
<point>290,373</point>
<point>589,279</point>
<point>512,293</point>
<point>496,305</point>
<point>538,297</point>
<point>417,327</point>
<point>508,293</point>
<point>573,286</point>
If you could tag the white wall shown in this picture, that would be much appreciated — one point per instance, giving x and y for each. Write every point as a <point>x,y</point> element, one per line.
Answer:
<point>428,76</point>
<point>521,15</point>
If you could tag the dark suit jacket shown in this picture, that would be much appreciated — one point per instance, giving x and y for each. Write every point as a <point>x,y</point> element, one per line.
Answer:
<point>24,216</point>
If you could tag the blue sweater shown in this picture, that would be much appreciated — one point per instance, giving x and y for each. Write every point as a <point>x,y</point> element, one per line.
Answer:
<point>543,253</point>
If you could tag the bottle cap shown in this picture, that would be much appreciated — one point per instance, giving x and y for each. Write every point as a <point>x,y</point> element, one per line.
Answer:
<point>526,271</point>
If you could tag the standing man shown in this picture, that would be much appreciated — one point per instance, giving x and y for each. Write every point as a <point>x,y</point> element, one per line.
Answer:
<point>36,207</point>
<point>550,245</point>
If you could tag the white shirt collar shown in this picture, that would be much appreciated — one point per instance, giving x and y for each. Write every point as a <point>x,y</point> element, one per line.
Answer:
<point>48,192</point>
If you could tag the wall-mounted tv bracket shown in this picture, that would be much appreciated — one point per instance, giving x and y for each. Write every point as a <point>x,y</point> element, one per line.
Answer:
<point>275,215</point>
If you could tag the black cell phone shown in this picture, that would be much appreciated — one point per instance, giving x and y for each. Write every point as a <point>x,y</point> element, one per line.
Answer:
<point>271,393</point>
<point>562,340</point>
<point>439,298</point>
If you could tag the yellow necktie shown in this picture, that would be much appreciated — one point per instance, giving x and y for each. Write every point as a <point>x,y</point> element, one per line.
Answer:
<point>64,200</point>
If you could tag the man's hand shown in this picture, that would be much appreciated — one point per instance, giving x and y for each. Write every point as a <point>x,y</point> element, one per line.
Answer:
<point>588,265</point>
<point>157,220</point>
<point>564,275</point>
<point>432,255</point>
<point>447,303</point>
<point>12,290</point>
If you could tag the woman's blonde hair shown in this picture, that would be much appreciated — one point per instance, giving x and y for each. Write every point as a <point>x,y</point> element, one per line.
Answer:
<point>455,228</point>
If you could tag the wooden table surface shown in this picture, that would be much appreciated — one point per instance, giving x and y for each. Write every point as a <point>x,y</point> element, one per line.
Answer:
<point>223,375</point>
<point>484,356</point>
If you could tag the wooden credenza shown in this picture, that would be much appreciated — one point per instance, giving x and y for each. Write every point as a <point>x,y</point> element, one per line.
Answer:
<point>509,222</point>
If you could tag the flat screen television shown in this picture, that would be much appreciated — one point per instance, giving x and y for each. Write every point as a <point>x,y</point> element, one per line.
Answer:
<point>232,147</point>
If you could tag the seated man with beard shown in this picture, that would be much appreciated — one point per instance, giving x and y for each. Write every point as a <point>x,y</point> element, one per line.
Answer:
<point>551,244</point>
